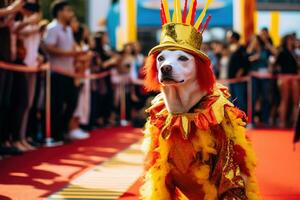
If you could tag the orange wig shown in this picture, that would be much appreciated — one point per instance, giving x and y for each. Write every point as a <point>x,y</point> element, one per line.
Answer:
<point>205,75</point>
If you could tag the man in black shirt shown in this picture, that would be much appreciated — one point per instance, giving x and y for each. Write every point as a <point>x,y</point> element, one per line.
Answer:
<point>238,66</point>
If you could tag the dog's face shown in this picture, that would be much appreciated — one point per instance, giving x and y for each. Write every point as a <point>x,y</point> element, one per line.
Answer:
<point>175,67</point>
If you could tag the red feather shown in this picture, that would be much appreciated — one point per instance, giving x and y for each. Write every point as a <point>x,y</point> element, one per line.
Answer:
<point>162,14</point>
<point>200,26</point>
<point>206,23</point>
<point>184,11</point>
<point>194,12</point>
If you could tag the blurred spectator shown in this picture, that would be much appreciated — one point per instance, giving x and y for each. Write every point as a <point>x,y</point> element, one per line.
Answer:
<point>36,124</point>
<point>289,88</point>
<point>60,45</point>
<point>121,80</point>
<point>27,29</point>
<point>82,64</point>
<point>22,42</point>
<point>238,67</point>
<point>258,57</point>
<point>224,62</point>
<point>138,94</point>
<point>206,48</point>
<point>265,35</point>
<point>109,60</point>
<point>7,14</point>
<point>6,9</point>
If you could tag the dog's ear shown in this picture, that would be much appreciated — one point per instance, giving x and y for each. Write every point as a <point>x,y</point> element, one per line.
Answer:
<point>151,80</point>
<point>205,75</point>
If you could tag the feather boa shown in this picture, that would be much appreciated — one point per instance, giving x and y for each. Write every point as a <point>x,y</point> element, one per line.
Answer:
<point>213,111</point>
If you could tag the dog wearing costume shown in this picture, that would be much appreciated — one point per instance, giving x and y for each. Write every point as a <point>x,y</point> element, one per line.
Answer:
<point>195,141</point>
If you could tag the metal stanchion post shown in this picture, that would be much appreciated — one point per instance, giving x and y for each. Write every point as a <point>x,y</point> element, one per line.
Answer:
<point>49,141</point>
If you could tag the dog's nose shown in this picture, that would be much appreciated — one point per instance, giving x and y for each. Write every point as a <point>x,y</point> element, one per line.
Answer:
<point>166,69</point>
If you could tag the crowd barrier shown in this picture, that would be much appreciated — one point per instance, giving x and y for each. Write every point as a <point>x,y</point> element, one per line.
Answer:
<point>46,68</point>
<point>248,79</point>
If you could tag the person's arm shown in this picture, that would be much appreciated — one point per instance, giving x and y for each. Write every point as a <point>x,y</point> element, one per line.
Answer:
<point>110,62</point>
<point>13,8</point>
<point>50,45</point>
<point>29,32</point>
<point>271,48</point>
<point>34,19</point>
<point>52,49</point>
<point>254,57</point>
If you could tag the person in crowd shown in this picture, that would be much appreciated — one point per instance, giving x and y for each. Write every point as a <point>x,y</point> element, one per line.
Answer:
<point>82,67</point>
<point>289,88</point>
<point>217,48</point>
<point>19,108</point>
<point>259,57</point>
<point>224,60</point>
<point>273,86</point>
<point>265,36</point>
<point>238,66</point>
<point>7,14</point>
<point>121,80</point>
<point>97,88</point>
<point>207,48</point>
<point>109,60</point>
<point>36,125</point>
<point>297,127</point>
<point>10,7</point>
<point>60,44</point>
<point>28,32</point>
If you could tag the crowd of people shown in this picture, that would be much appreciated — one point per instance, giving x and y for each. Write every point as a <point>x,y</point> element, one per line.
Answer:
<point>261,72</point>
<point>80,104</point>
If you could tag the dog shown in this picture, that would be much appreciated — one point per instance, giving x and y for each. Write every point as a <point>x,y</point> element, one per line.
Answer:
<point>177,74</point>
<point>189,152</point>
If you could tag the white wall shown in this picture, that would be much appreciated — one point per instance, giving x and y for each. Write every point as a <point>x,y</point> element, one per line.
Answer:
<point>97,9</point>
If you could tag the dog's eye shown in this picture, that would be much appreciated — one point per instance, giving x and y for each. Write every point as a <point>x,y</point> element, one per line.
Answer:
<point>183,58</point>
<point>160,58</point>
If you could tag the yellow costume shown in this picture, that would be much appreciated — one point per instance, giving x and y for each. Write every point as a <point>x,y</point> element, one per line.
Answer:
<point>211,143</point>
<point>203,152</point>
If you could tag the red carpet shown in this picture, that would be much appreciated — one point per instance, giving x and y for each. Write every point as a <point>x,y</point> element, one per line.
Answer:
<point>278,165</point>
<point>278,170</point>
<point>37,174</point>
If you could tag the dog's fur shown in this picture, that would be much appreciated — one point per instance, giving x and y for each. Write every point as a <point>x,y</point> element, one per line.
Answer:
<point>180,88</point>
<point>188,81</point>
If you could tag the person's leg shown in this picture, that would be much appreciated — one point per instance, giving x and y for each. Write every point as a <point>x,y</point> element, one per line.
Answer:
<point>232,88</point>
<point>31,79</point>
<point>265,107</point>
<point>255,90</point>
<point>295,92</point>
<point>284,97</point>
<point>2,94</point>
<point>71,100</point>
<point>57,102</point>
<point>18,107</point>
<point>241,93</point>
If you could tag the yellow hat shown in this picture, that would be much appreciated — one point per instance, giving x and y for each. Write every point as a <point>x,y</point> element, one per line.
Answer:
<point>182,32</point>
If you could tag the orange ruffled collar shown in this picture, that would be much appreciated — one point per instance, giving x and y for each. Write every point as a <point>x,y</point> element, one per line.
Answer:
<point>207,113</point>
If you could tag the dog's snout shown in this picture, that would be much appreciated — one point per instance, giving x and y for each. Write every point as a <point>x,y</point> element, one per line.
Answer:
<point>166,69</point>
